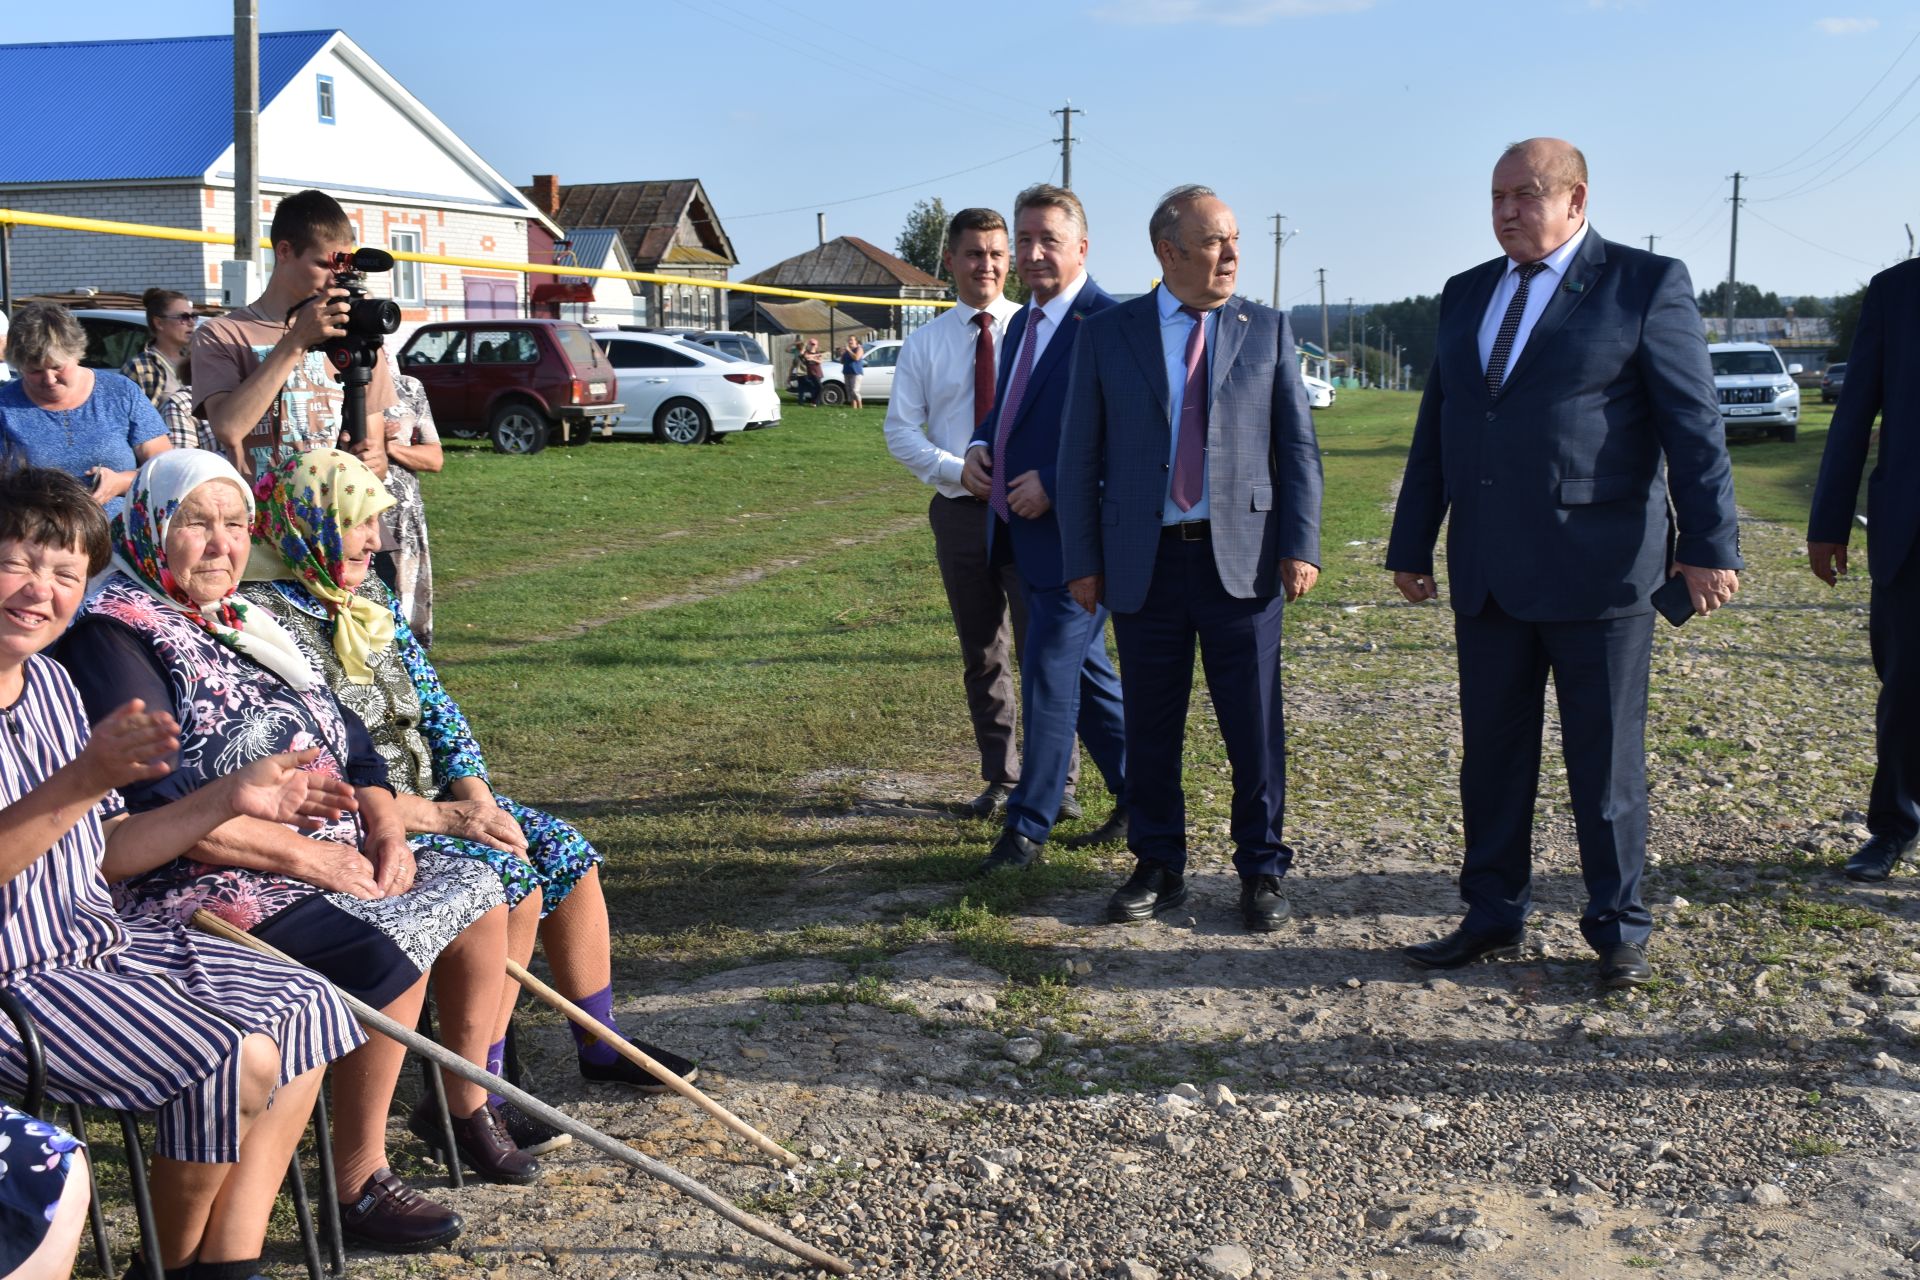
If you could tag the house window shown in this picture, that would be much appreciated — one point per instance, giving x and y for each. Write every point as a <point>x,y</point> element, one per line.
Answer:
<point>407,286</point>
<point>325,90</point>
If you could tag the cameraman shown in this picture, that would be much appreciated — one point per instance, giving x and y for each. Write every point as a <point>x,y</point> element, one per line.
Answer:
<point>259,376</point>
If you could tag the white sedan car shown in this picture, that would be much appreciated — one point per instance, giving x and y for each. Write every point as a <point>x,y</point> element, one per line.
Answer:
<point>1319,392</point>
<point>876,379</point>
<point>683,393</point>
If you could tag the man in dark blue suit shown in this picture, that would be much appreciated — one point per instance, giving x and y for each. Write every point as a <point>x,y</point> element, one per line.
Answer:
<point>1067,682</point>
<point>1566,373</point>
<point>1189,501</point>
<point>1883,377</point>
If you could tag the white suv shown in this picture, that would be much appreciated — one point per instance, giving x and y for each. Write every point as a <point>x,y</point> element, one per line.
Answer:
<point>1757,393</point>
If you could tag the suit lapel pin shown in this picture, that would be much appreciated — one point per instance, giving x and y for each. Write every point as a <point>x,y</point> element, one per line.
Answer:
<point>1242,318</point>
<point>1575,286</point>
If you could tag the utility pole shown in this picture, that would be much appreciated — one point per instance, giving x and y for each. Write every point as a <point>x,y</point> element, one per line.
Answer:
<point>1650,240</point>
<point>1733,257</point>
<point>1349,337</point>
<point>246,130</point>
<point>1066,114</point>
<point>1326,334</point>
<point>1280,237</point>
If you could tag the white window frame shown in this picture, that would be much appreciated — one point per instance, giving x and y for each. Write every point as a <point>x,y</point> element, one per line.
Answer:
<point>409,281</point>
<point>326,99</point>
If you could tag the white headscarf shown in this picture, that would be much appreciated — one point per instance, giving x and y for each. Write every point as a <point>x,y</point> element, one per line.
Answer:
<point>139,551</point>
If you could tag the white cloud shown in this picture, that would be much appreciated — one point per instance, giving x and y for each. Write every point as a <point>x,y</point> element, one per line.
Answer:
<point>1220,13</point>
<point>1847,26</point>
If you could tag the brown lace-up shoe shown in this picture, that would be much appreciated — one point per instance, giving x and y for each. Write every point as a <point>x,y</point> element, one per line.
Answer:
<point>392,1217</point>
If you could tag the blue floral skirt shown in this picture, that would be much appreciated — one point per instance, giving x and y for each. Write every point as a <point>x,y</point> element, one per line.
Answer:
<point>35,1159</point>
<point>557,856</point>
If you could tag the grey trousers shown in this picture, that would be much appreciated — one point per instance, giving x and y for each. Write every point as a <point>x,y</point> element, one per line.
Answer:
<point>990,618</point>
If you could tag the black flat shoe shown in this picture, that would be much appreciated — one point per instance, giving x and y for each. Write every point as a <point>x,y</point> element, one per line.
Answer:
<point>1462,947</point>
<point>535,1137</point>
<point>990,801</point>
<point>1070,810</point>
<point>1625,965</point>
<point>1011,852</point>
<point>1262,906</point>
<point>620,1071</point>
<point>1112,831</point>
<point>485,1146</point>
<point>1876,859</point>
<point>1152,888</point>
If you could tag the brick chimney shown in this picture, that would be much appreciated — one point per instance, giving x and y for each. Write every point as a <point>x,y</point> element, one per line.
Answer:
<point>546,194</point>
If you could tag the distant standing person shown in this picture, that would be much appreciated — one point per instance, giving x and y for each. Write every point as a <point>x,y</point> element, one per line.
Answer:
<point>92,424</point>
<point>1883,377</point>
<point>942,392</point>
<point>413,446</point>
<point>851,367</point>
<point>161,367</point>
<point>810,359</point>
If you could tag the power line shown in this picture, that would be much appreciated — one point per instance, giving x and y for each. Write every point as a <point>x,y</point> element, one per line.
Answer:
<point>1805,189</point>
<point>828,204</point>
<point>1776,171</point>
<point>1066,114</point>
<point>1681,228</point>
<point>894,54</point>
<point>1810,244</point>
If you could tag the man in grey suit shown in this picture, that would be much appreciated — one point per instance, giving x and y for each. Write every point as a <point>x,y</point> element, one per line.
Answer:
<point>1189,503</point>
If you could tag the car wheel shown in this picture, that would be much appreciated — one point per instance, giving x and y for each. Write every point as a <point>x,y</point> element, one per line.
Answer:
<point>1788,434</point>
<point>682,422</point>
<point>833,393</point>
<point>519,428</point>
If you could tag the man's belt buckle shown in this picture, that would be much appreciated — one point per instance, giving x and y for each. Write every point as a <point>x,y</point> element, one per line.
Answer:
<point>1190,530</point>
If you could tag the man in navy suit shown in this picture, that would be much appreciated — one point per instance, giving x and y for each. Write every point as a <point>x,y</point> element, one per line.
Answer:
<point>1566,372</point>
<point>1066,680</point>
<point>1883,377</point>
<point>1189,503</point>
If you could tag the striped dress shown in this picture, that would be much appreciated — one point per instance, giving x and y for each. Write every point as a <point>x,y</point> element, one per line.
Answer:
<point>135,1015</point>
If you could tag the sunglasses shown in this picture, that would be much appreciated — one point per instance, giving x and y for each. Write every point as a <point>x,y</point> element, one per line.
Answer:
<point>187,316</point>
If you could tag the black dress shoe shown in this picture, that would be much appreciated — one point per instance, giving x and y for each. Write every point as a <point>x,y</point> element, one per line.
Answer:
<point>1262,906</point>
<point>392,1217</point>
<point>535,1137</point>
<point>1112,831</point>
<point>1877,858</point>
<point>1624,964</point>
<point>1463,947</point>
<point>1070,810</point>
<point>620,1071</point>
<point>990,801</point>
<point>1011,852</point>
<point>484,1145</point>
<point>1153,887</point>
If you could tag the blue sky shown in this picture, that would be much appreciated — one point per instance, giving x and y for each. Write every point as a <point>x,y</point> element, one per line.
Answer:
<point>1371,124</point>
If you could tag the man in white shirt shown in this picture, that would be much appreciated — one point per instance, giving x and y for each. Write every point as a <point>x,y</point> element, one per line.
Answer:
<point>942,390</point>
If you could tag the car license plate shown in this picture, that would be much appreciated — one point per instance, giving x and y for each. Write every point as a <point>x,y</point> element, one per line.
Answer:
<point>596,389</point>
<point>1746,410</point>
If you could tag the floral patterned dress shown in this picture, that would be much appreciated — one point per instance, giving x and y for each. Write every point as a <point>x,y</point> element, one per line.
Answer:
<point>410,422</point>
<point>426,742</point>
<point>233,711</point>
<point>35,1159</point>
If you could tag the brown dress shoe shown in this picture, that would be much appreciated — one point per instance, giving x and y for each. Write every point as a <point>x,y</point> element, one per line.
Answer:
<point>392,1217</point>
<point>485,1146</point>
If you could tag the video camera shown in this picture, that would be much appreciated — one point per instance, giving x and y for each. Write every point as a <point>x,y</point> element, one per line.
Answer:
<point>369,321</point>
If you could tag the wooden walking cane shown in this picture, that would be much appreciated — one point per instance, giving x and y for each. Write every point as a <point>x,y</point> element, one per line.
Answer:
<point>374,1020</point>
<point>587,1022</point>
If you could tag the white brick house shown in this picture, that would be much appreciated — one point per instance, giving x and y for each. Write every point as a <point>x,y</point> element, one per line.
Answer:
<point>330,118</point>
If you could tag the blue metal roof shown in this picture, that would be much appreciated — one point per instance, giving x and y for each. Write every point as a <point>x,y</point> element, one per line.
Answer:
<point>592,246</point>
<point>104,124</point>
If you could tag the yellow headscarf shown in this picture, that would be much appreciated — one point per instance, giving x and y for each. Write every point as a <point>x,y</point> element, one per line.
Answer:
<point>304,505</point>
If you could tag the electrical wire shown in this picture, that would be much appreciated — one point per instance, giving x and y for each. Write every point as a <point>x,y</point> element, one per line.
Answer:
<point>1805,189</point>
<point>829,204</point>
<point>1779,170</point>
<point>1810,244</point>
<point>1685,226</point>
<point>896,56</point>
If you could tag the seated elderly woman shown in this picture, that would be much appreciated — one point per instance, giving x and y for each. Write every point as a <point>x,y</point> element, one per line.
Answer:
<point>347,899</point>
<point>95,425</point>
<point>321,515</point>
<point>138,1014</point>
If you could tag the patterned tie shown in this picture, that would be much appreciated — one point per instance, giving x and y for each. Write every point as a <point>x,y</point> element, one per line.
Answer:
<point>983,369</point>
<point>1190,451</point>
<point>1510,328</point>
<point>1016,391</point>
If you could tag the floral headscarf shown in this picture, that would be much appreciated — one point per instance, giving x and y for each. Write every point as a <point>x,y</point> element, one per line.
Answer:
<point>139,552</point>
<point>305,504</point>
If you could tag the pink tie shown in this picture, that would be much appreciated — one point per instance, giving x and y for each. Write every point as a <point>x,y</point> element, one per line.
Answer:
<point>1190,451</point>
<point>1016,391</point>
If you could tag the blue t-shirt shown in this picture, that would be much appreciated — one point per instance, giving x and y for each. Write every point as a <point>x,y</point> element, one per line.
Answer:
<point>851,367</point>
<point>104,431</point>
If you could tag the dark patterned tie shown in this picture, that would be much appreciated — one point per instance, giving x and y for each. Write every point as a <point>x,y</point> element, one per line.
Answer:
<point>1510,328</point>
<point>1190,450</point>
<point>983,369</point>
<point>1016,392</point>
